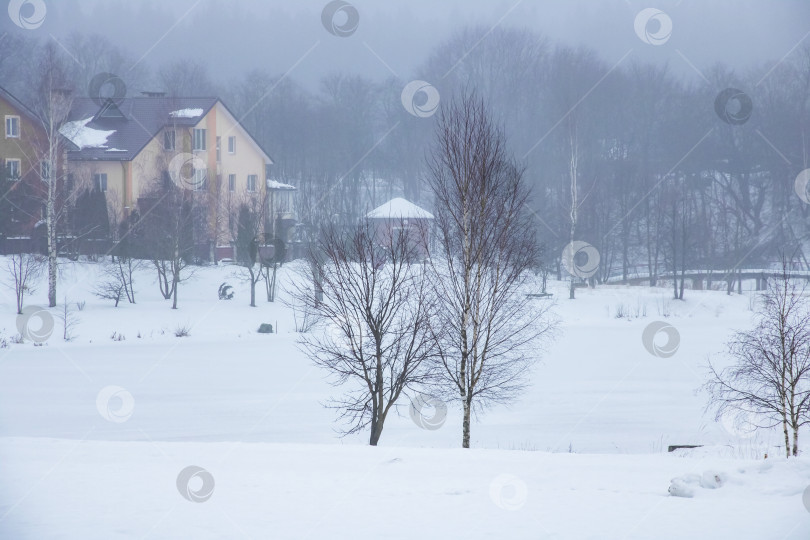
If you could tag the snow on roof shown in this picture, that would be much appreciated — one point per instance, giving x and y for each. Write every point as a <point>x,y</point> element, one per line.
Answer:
<point>273,184</point>
<point>84,137</point>
<point>114,150</point>
<point>399,208</point>
<point>186,113</point>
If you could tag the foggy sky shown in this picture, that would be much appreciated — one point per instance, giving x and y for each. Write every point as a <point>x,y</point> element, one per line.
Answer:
<point>396,36</point>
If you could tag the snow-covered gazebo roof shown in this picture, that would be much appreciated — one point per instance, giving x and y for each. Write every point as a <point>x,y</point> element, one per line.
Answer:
<point>399,208</point>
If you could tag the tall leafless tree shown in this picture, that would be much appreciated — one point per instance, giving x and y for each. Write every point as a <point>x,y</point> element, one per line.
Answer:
<point>769,379</point>
<point>485,324</point>
<point>54,99</point>
<point>375,310</point>
<point>249,225</point>
<point>165,235</point>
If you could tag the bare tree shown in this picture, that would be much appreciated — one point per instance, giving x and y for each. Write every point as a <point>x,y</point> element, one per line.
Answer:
<point>25,268</point>
<point>69,321</point>
<point>54,100</point>
<point>270,268</point>
<point>249,235</point>
<point>166,236</point>
<point>110,289</point>
<point>770,377</point>
<point>123,264</point>
<point>376,309</point>
<point>117,280</point>
<point>485,324</point>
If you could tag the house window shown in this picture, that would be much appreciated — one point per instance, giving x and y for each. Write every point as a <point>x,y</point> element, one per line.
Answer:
<point>13,169</point>
<point>100,181</point>
<point>231,145</point>
<point>231,182</point>
<point>168,139</point>
<point>199,140</point>
<point>199,181</point>
<point>283,201</point>
<point>252,181</point>
<point>12,126</point>
<point>219,149</point>
<point>45,171</point>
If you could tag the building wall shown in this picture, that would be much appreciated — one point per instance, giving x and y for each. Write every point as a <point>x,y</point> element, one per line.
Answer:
<point>22,148</point>
<point>418,232</point>
<point>247,159</point>
<point>29,148</point>
<point>128,181</point>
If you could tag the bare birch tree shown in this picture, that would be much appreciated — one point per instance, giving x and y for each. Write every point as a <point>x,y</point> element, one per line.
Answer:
<point>54,100</point>
<point>376,310</point>
<point>769,380</point>
<point>485,325</point>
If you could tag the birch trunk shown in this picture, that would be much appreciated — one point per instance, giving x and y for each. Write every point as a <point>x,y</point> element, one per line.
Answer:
<point>465,441</point>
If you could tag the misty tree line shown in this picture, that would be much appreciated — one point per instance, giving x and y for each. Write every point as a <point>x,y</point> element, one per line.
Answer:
<point>626,157</point>
<point>662,183</point>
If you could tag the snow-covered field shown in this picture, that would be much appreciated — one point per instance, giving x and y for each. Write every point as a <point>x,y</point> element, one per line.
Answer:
<point>95,431</point>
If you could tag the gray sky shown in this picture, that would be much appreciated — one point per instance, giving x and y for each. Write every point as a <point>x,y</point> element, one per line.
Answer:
<point>396,36</point>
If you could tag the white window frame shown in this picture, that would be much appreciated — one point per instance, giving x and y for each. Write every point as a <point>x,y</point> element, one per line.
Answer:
<point>232,144</point>
<point>231,183</point>
<point>100,182</point>
<point>169,135</point>
<point>252,182</point>
<point>9,176</point>
<point>12,133</point>
<point>199,136</point>
<point>219,148</point>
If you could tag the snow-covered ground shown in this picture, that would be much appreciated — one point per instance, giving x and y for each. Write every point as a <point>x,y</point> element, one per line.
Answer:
<point>94,432</point>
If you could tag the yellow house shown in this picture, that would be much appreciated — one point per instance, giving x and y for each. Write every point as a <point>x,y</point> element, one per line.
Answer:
<point>125,147</point>
<point>24,188</point>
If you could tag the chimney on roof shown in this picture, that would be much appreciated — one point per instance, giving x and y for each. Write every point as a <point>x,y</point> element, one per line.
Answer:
<point>154,94</point>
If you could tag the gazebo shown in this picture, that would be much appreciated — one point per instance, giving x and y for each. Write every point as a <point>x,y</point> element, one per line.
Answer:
<point>400,213</point>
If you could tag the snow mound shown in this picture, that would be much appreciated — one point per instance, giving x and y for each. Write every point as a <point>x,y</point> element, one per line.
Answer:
<point>82,136</point>
<point>687,485</point>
